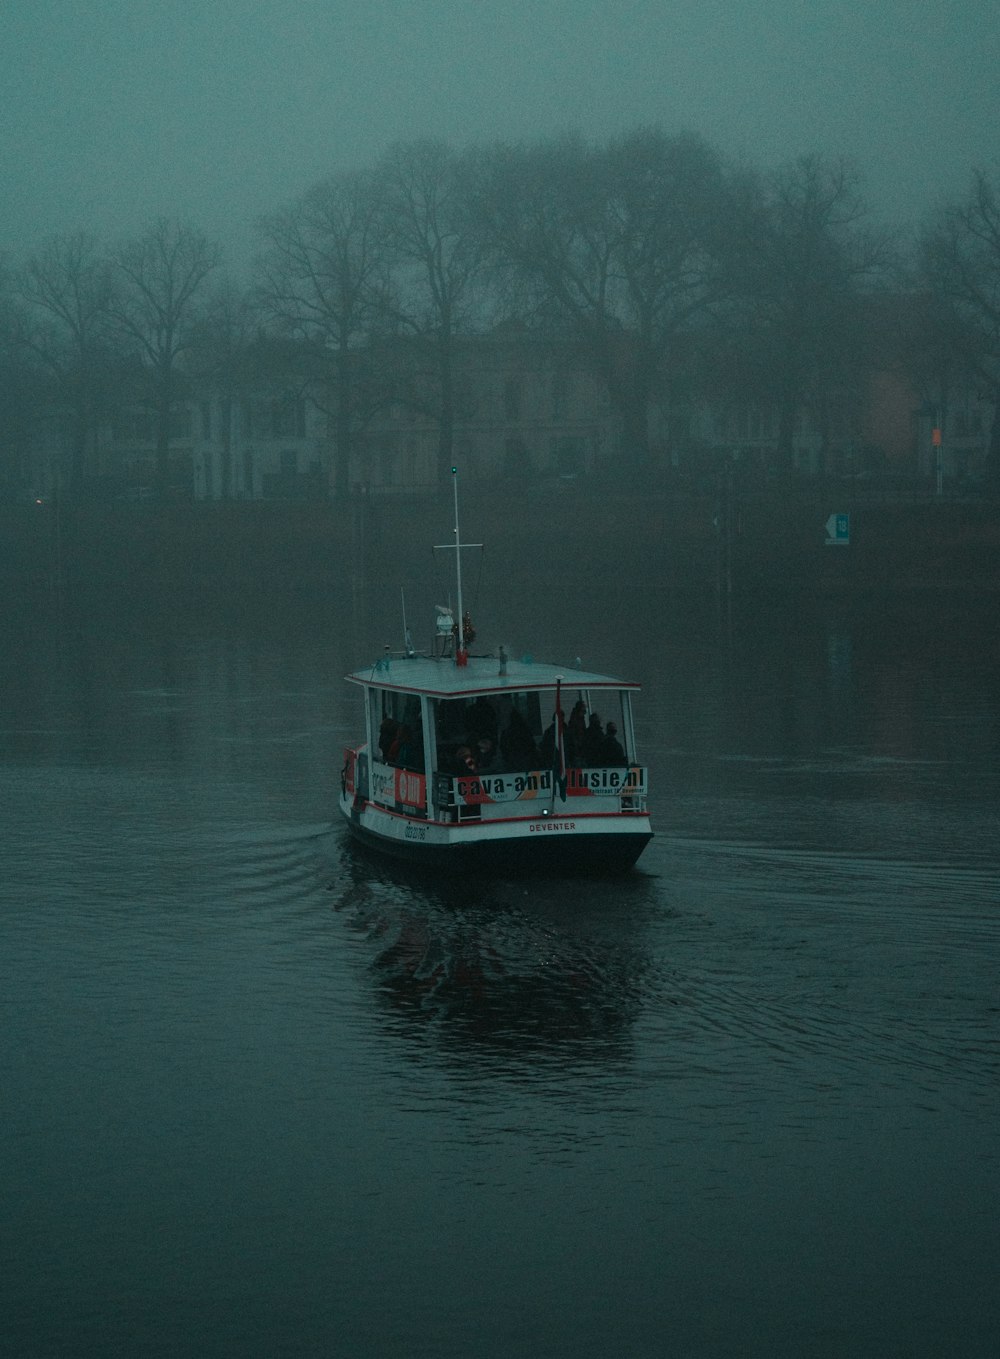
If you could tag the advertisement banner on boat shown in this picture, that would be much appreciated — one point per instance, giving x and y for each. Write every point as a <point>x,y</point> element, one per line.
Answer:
<point>474,791</point>
<point>403,787</point>
<point>605,782</point>
<point>410,788</point>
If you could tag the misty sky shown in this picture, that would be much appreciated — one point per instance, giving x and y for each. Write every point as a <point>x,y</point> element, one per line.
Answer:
<point>215,111</point>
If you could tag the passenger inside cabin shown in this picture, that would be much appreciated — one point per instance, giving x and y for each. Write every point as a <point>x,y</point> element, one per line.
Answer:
<point>407,748</point>
<point>517,743</point>
<point>485,753</point>
<point>481,720</point>
<point>386,735</point>
<point>575,734</point>
<point>593,741</point>
<point>612,752</point>
<point>401,745</point>
<point>450,732</point>
<point>464,761</point>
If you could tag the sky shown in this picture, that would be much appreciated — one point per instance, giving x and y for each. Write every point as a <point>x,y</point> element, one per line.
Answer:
<point>214,112</point>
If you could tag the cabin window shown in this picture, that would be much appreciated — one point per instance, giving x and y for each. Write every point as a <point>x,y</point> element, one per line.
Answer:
<point>596,728</point>
<point>397,729</point>
<point>530,708</point>
<point>467,733</point>
<point>492,733</point>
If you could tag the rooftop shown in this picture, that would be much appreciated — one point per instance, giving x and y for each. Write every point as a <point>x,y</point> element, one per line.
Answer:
<point>440,677</point>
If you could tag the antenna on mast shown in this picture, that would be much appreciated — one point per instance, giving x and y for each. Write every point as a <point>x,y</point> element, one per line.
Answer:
<point>407,638</point>
<point>461,651</point>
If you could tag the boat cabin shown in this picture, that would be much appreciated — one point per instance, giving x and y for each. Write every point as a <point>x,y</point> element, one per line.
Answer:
<point>482,742</point>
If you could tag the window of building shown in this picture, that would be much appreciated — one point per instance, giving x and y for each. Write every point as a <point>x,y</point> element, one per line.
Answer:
<point>516,459</point>
<point>289,416</point>
<point>560,395</point>
<point>387,465</point>
<point>134,426</point>
<point>465,399</point>
<point>281,417</point>
<point>967,423</point>
<point>181,422</point>
<point>568,456</point>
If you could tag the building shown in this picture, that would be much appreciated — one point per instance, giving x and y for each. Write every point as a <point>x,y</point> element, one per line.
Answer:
<point>272,445</point>
<point>525,406</point>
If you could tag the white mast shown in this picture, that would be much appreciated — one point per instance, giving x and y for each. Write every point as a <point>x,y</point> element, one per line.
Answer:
<point>461,655</point>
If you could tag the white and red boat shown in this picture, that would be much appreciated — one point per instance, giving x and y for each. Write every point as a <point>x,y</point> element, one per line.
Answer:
<point>478,759</point>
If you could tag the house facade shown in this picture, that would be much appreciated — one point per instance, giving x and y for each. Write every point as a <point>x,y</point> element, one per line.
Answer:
<point>952,440</point>
<point>271,445</point>
<point>525,406</point>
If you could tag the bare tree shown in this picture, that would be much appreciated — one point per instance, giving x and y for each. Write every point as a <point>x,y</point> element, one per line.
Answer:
<point>221,347</point>
<point>554,237</point>
<point>617,243</point>
<point>438,252</point>
<point>22,389</point>
<point>807,263</point>
<point>159,281</point>
<point>960,259</point>
<point>322,278</point>
<point>671,197</point>
<point>67,286</point>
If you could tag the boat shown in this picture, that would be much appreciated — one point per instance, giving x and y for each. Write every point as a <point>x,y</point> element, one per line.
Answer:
<point>480,760</point>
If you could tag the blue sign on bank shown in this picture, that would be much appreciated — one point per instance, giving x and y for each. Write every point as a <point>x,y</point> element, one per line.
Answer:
<point>838,530</point>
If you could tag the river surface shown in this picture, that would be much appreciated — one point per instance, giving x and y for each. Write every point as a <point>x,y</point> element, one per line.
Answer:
<point>265,1096</point>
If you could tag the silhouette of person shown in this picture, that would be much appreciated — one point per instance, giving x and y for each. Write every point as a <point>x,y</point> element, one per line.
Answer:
<point>612,751</point>
<point>517,743</point>
<point>576,733</point>
<point>465,761</point>
<point>401,750</point>
<point>386,735</point>
<point>593,740</point>
<point>481,720</point>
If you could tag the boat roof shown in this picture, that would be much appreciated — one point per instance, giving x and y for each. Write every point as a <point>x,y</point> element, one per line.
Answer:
<point>440,677</point>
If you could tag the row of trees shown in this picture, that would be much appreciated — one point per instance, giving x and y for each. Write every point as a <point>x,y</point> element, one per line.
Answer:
<point>678,275</point>
<point>86,329</point>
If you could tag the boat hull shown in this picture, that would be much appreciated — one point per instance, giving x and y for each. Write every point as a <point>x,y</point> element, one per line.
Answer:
<point>557,844</point>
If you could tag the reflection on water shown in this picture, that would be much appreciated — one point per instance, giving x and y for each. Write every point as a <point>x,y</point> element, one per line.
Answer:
<point>518,972</point>
<point>265,1094</point>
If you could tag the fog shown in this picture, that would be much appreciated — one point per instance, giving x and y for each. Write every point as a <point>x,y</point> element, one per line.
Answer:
<point>215,112</point>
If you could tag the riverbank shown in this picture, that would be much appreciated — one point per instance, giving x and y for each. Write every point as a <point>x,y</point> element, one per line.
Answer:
<point>690,543</point>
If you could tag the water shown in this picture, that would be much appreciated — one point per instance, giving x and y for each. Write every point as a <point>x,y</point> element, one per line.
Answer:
<point>263,1096</point>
